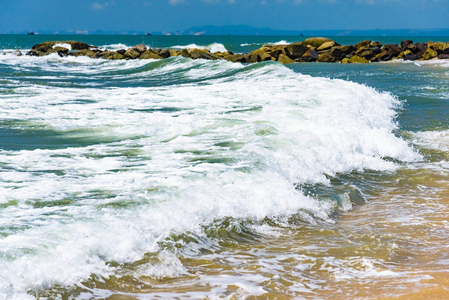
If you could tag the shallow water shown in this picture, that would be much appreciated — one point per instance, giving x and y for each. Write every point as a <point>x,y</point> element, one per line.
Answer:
<point>208,179</point>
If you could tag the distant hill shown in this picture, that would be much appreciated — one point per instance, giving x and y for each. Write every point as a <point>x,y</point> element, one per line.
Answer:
<point>265,31</point>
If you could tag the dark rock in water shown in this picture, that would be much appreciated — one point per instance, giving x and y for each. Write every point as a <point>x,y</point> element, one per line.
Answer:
<point>421,49</point>
<point>77,45</point>
<point>362,44</point>
<point>389,52</point>
<point>164,53</point>
<point>296,50</point>
<point>312,49</point>
<point>309,56</point>
<point>43,47</point>
<point>410,57</point>
<point>236,58</point>
<point>110,55</point>
<point>17,53</point>
<point>316,41</point>
<point>61,51</point>
<point>405,44</point>
<point>85,52</point>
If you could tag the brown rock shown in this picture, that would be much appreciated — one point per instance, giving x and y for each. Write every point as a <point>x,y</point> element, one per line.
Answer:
<point>429,54</point>
<point>131,53</point>
<point>85,52</point>
<point>375,44</point>
<point>358,59</point>
<point>361,44</point>
<point>296,50</point>
<point>235,58</point>
<point>443,56</point>
<point>140,48</point>
<point>185,53</point>
<point>309,56</point>
<point>327,45</point>
<point>201,53</point>
<point>258,56</point>
<point>164,53</point>
<point>148,54</point>
<point>284,59</point>
<point>316,41</point>
<point>405,44</point>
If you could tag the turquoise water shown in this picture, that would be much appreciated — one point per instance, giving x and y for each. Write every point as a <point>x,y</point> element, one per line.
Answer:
<point>195,178</point>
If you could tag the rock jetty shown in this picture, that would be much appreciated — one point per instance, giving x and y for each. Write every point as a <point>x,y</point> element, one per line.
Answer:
<point>316,49</point>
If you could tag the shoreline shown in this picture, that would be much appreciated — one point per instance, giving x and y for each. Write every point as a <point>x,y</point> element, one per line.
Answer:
<point>316,49</point>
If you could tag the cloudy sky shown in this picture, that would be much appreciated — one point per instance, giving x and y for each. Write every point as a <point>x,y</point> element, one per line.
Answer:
<point>175,15</point>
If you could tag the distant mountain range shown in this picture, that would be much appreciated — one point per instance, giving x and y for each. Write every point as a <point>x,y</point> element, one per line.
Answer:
<point>246,30</point>
<point>265,31</point>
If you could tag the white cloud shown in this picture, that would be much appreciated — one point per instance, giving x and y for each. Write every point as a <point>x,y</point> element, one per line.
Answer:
<point>102,5</point>
<point>175,2</point>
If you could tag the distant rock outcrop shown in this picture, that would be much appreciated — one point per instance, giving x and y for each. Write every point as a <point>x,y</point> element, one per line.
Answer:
<point>316,49</point>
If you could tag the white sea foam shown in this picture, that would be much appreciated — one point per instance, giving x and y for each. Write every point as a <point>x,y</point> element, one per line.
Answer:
<point>63,45</point>
<point>115,47</point>
<point>214,47</point>
<point>233,147</point>
<point>437,140</point>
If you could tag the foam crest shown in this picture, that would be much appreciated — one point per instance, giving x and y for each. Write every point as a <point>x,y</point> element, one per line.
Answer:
<point>214,47</point>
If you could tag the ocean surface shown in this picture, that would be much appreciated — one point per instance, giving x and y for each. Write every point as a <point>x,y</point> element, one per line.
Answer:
<point>200,179</point>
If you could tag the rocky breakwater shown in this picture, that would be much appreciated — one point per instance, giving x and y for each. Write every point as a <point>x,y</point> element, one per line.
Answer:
<point>316,49</point>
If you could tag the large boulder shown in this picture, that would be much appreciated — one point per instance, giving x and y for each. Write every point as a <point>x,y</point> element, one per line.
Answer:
<point>284,59</point>
<point>325,56</point>
<point>429,54</point>
<point>296,50</point>
<point>309,56</point>
<point>405,44</point>
<point>362,44</point>
<point>327,45</point>
<point>316,42</point>
<point>164,53</point>
<point>274,50</point>
<point>141,48</point>
<point>201,53</point>
<point>43,47</point>
<point>358,59</point>
<point>61,51</point>
<point>235,58</point>
<point>148,54</point>
<point>389,51</point>
<point>85,52</point>
<point>77,45</point>
<point>420,50</point>
<point>258,56</point>
<point>375,44</point>
<point>131,53</point>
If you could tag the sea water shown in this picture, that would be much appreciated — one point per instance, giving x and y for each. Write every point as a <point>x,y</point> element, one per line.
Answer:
<point>211,179</point>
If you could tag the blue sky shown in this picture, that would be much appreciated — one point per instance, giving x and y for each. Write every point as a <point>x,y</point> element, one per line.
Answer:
<point>174,15</point>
